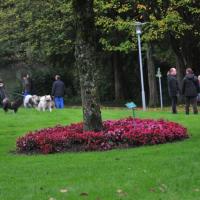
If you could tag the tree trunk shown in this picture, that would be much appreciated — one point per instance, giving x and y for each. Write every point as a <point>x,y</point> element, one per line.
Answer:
<point>85,54</point>
<point>180,60</point>
<point>180,68</point>
<point>153,93</point>
<point>180,63</point>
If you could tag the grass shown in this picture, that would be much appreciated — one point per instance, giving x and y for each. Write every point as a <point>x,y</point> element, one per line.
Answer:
<point>162,172</point>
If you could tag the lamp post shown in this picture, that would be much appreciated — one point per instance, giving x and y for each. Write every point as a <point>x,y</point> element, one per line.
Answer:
<point>159,75</point>
<point>139,32</point>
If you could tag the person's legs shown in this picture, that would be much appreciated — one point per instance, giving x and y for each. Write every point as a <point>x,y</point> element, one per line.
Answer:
<point>194,105</point>
<point>26,93</point>
<point>61,102</point>
<point>187,105</point>
<point>56,99</point>
<point>174,103</point>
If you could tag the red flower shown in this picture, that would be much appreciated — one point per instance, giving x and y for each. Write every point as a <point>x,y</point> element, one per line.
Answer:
<point>116,134</point>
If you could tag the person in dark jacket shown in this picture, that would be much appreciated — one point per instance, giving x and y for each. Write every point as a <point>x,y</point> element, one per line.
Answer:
<point>173,88</point>
<point>198,98</point>
<point>27,85</point>
<point>58,92</point>
<point>190,89</point>
<point>3,94</point>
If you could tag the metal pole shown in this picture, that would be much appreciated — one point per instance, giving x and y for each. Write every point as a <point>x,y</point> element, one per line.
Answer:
<point>161,99</point>
<point>141,73</point>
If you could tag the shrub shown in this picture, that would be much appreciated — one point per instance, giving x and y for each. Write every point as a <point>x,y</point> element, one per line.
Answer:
<point>115,134</point>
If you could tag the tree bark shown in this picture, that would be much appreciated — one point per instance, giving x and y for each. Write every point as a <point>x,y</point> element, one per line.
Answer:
<point>153,92</point>
<point>85,55</point>
<point>180,60</point>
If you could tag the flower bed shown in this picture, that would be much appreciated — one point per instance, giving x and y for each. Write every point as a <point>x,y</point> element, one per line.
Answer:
<point>115,134</point>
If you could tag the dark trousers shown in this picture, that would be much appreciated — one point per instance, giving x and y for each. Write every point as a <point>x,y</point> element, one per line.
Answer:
<point>193,101</point>
<point>174,103</point>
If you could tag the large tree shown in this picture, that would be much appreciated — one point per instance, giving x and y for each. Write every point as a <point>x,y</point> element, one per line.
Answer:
<point>85,54</point>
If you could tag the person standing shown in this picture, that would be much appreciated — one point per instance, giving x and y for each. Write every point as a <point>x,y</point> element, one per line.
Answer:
<point>173,88</point>
<point>3,94</point>
<point>190,89</point>
<point>58,92</point>
<point>26,83</point>
<point>198,98</point>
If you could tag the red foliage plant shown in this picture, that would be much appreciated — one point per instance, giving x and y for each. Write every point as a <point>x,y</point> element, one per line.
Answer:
<point>122,133</point>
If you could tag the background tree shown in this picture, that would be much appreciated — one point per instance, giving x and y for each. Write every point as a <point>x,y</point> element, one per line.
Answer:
<point>42,34</point>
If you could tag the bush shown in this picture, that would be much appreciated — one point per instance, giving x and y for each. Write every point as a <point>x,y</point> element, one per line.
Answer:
<point>115,134</point>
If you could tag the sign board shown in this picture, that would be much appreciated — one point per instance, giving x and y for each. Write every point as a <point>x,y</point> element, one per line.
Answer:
<point>159,75</point>
<point>130,105</point>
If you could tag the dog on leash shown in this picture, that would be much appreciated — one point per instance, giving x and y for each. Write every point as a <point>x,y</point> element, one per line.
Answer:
<point>11,105</point>
<point>31,101</point>
<point>46,103</point>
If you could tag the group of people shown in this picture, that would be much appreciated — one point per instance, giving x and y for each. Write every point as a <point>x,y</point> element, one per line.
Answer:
<point>190,89</point>
<point>58,90</point>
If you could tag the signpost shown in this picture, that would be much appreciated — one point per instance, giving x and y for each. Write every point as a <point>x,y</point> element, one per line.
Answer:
<point>159,75</point>
<point>131,105</point>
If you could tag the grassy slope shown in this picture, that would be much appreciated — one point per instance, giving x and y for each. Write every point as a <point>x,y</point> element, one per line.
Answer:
<point>167,172</point>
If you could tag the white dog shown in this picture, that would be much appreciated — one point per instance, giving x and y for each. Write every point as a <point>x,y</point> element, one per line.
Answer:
<point>31,101</point>
<point>45,103</point>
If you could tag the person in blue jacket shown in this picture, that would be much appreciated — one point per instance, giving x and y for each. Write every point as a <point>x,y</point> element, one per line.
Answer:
<point>58,92</point>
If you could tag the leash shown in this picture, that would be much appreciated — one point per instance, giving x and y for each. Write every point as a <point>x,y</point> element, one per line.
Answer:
<point>18,94</point>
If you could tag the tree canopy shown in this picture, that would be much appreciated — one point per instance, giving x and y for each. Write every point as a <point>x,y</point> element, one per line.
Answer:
<point>43,31</point>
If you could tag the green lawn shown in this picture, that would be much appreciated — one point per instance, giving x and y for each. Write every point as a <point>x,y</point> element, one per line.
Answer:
<point>162,172</point>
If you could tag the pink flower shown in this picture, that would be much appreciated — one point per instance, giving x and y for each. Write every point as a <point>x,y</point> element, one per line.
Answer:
<point>127,132</point>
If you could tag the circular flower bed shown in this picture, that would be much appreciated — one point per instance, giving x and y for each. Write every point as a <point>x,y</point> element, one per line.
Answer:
<point>115,134</point>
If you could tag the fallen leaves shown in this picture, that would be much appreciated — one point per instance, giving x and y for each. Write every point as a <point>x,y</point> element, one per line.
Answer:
<point>84,194</point>
<point>121,193</point>
<point>51,198</point>
<point>163,188</point>
<point>64,190</point>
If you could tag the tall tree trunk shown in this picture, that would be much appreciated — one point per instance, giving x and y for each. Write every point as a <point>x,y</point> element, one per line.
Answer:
<point>180,68</point>
<point>119,94</point>
<point>180,60</point>
<point>153,92</point>
<point>85,54</point>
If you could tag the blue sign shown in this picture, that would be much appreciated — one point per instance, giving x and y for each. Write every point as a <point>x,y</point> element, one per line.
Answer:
<point>130,105</point>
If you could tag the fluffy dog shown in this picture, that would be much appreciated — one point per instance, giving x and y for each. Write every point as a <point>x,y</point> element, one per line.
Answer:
<point>45,103</point>
<point>31,101</point>
<point>11,105</point>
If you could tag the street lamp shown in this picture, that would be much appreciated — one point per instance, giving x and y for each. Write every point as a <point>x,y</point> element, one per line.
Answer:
<point>159,76</point>
<point>139,32</point>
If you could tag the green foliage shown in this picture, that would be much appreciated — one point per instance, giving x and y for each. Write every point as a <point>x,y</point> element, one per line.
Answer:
<point>37,28</point>
<point>46,28</point>
<point>43,31</point>
<point>115,24</point>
